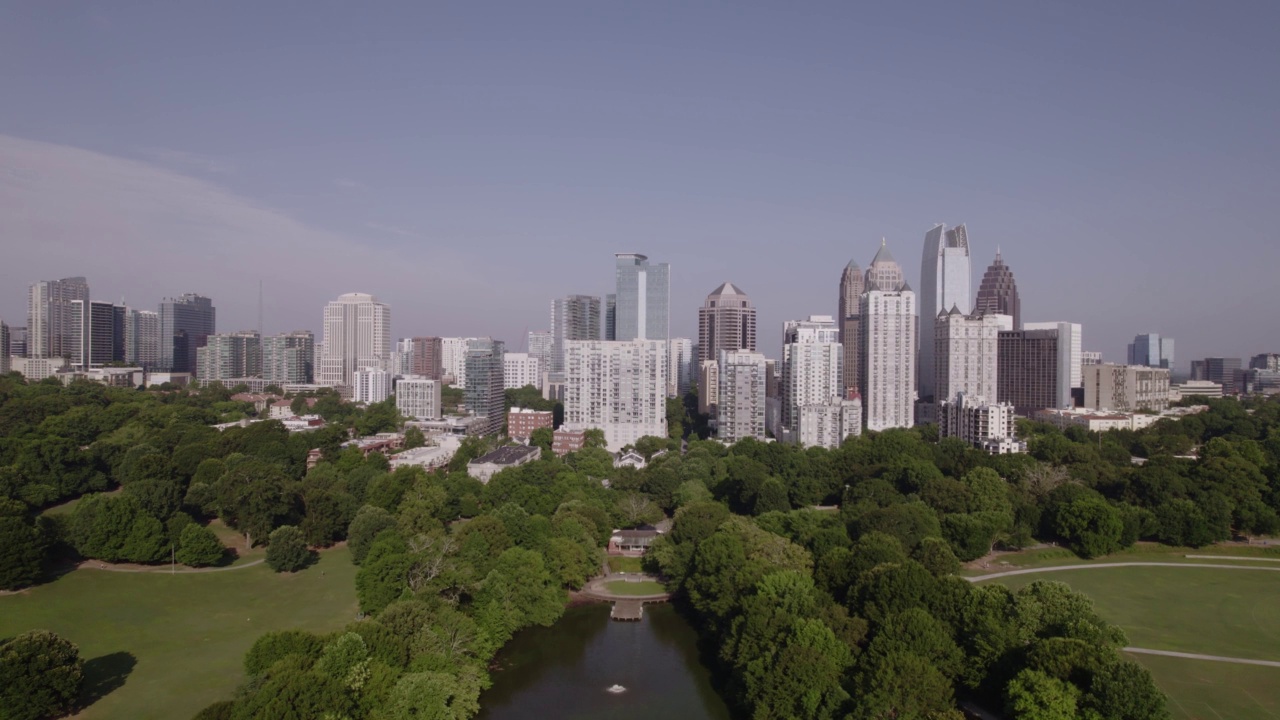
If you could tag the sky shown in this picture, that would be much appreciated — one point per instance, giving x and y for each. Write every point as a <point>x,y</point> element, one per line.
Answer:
<point>467,162</point>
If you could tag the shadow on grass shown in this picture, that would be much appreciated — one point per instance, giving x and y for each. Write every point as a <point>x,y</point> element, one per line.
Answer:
<point>104,675</point>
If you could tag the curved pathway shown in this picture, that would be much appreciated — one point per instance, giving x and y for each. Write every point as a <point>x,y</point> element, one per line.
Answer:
<point>1062,568</point>
<point>1197,656</point>
<point>95,565</point>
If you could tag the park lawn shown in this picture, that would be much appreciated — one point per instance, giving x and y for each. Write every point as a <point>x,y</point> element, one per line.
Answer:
<point>1142,552</point>
<point>645,587</point>
<point>177,642</point>
<point>625,565</point>
<point>1204,690</point>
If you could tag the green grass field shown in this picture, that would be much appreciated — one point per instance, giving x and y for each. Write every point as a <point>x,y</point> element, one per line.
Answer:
<point>622,587</point>
<point>1045,557</point>
<point>1202,610</point>
<point>165,646</point>
<point>625,565</point>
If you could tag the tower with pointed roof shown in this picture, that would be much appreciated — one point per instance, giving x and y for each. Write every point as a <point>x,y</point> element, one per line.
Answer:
<point>852,284</point>
<point>887,345</point>
<point>998,293</point>
<point>945,277</point>
<point>726,321</point>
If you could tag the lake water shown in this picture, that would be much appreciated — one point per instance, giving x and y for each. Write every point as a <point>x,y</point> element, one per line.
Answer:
<point>563,671</point>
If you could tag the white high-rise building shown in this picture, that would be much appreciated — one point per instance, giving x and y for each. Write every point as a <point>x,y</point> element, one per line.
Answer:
<point>370,385</point>
<point>887,345</point>
<point>49,322</point>
<point>945,279</point>
<point>541,346</point>
<point>828,424</point>
<point>1070,350</point>
<point>141,337</point>
<point>984,424</point>
<point>418,397</point>
<point>357,334</point>
<point>521,369</point>
<point>453,353</point>
<point>743,391</point>
<point>679,366</point>
<point>619,387</point>
<point>812,369</point>
<point>965,354</point>
<point>402,357</point>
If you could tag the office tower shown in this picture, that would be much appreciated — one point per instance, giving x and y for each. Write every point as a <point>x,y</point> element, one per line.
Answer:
<point>1258,381</point>
<point>141,337</point>
<point>484,372</point>
<point>230,356</point>
<point>453,360</point>
<point>357,334</point>
<point>1126,388</point>
<point>998,293</point>
<point>402,357</point>
<point>185,323</point>
<point>1263,361</point>
<point>965,351</point>
<point>540,344</point>
<point>521,369</point>
<point>726,322</point>
<point>812,364</point>
<point>708,386</point>
<point>289,358</point>
<point>679,366</point>
<point>18,342</point>
<point>576,317</point>
<point>852,285</point>
<point>611,316</point>
<point>370,385</point>
<point>887,345</point>
<point>418,397</point>
<point>945,277</point>
<point>427,357</point>
<point>97,334</point>
<point>641,305</point>
<point>1151,350</point>
<point>981,423</point>
<point>5,348</point>
<point>741,411</point>
<point>1034,368</point>
<point>618,387</point>
<point>49,323</point>
<point>1224,371</point>
<point>1070,346</point>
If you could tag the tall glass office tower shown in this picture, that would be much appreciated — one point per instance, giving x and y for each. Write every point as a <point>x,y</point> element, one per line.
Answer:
<point>642,305</point>
<point>945,277</point>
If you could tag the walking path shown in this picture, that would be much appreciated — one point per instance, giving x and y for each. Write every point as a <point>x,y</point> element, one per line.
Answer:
<point>1062,568</point>
<point>1197,656</point>
<point>96,565</point>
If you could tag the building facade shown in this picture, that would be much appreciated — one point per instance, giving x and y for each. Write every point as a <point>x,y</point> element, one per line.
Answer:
<point>812,370</point>
<point>1126,388</point>
<point>541,345</point>
<point>743,385</point>
<point>185,324</point>
<point>230,355</point>
<point>829,424</point>
<point>641,305</point>
<point>370,385</point>
<point>453,359</point>
<point>288,358</point>
<point>618,387</point>
<point>945,278</point>
<point>726,322</point>
<point>680,364</point>
<point>985,425</point>
<point>1265,361</point>
<point>1151,350</point>
<point>97,334</point>
<point>521,369</point>
<point>521,422</point>
<point>485,384</point>
<point>1033,369</point>
<point>966,348</point>
<point>49,322</point>
<point>1221,370</point>
<point>141,337</point>
<point>5,348</point>
<point>357,334</point>
<point>708,386</point>
<point>887,345</point>
<point>418,397</point>
<point>575,317</point>
<point>852,285</point>
<point>998,293</point>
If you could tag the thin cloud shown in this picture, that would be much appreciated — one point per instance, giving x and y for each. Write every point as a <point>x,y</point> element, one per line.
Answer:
<point>183,160</point>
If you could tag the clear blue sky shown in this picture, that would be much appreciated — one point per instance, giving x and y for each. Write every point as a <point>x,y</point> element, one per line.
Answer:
<point>467,162</point>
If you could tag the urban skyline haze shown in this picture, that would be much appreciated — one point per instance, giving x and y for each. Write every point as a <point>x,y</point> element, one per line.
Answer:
<point>1121,158</point>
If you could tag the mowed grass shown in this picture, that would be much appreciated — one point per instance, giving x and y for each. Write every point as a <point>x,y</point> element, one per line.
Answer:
<point>1209,611</point>
<point>625,565</point>
<point>645,587</point>
<point>165,646</point>
<point>1142,552</point>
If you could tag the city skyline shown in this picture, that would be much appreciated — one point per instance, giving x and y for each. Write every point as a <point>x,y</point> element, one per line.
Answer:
<point>722,155</point>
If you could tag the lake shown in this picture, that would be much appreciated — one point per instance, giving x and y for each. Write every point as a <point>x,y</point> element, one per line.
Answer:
<point>562,671</point>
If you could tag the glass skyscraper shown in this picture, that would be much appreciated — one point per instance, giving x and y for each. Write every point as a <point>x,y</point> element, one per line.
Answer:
<point>642,306</point>
<point>185,325</point>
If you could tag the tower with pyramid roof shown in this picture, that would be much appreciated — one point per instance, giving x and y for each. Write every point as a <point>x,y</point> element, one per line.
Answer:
<point>726,321</point>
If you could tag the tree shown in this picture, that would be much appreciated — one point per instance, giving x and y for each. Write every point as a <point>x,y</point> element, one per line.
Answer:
<point>287,550</point>
<point>254,496</point>
<point>635,509</point>
<point>1032,695</point>
<point>1126,690</point>
<point>909,522</point>
<point>199,547</point>
<point>40,676</point>
<point>542,438</point>
<point>413,437</point>
<point>594,439</point>
<point>368,523</point>
<point>1090,525</point>
<point>22,547</point>
<point>272,647</point>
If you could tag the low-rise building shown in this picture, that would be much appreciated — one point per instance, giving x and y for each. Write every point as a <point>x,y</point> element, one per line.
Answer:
<point>634,542</point>
<point>486,466</point>
<point>985,425</point>
<point>260,401</point>
<point>418,397</point>
<point>36,369</point>
<point>1195,388</point>
<point>829,424</point>
<point>521,422</point>
<point>1126,388</point>
<point>436,454</point>
<point>565,441</point>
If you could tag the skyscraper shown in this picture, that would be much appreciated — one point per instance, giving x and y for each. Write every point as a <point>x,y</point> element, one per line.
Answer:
<point>743,384</point>
<point>49,323</point>
<point>852,285</point>
<point>4,348</point>
<point>185,323</point>
<point>945,277</point>
<point>1221,370</point>
<point>680,364</point>
<point>812,363</point>
<point>485,383</point>
<point>426,357</point>
<point>618,387</point>
<point>288,358</point>
<point>726,322</point>
<point>141,337</point>
<point>453,359</point>
<point>97,334</point>
<point>998,293</point>
<point>965,352</point>
<point>1035,366</point>
<point>641,306</point>
<point>357,334</point>
<point>887,345</point>
<point>230,356</point>
<point>1071,348</point>
<point>1151,350</point>
<point>18,342</point>
<point>575,317</point>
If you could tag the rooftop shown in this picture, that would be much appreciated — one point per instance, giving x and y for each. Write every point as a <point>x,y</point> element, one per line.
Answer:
<point>506,455</point>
